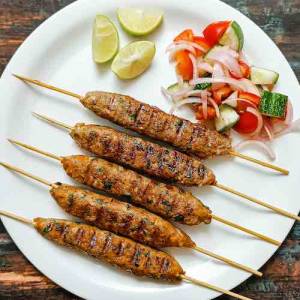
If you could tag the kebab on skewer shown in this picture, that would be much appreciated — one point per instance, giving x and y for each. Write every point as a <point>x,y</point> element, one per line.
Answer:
<point>118,251</point>
<point>150,158</point>
<point>168,201</point>
<point>148,120</point>
<point>122,218</point>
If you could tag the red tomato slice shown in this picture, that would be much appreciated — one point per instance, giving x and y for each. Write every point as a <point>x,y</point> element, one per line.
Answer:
<point>245,69</point>
<point>214,32</point>
<point>211,113</point>
<point>201,41</point>
<point>186,35</point>
<point>251,97</point>
<point>247,123</point>
<point>222,94</point>
<point>184,66</point>
<point>242,105</point>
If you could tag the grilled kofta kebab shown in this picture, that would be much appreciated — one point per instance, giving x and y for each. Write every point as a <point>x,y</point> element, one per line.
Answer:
<point>148,120</point>
<point>122,218</point>
<point>118,251</point>
<point>150,158</point>
<point>168,201</point>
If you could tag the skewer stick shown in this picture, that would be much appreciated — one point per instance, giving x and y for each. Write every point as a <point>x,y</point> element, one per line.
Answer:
<point>219,219</point>
<point>259,162</point>
<point>15,217</point>
<point>206,252</point>
<point>251,232</point>
<point>48,86</point>
<point>34,149</point>
<point>218,185</point>
<point>228,261</point>
<point>182,277</point>
<point>213,287</point>
<point>257,201</point>
<point>13,168</point>
<point>66,92</point>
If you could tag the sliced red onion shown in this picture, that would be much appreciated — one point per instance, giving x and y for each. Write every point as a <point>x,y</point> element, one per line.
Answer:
<point>204,98</point>
<point>232,99</point>
<point>250,87</point>
<point>262,145</point>
<point>218,72</point>
<point>194,63</point>
<point>294,127</point>
<point>234,82</point>
<point>226,59</point>
<point>260,122</point>
<point>193,93</point>
<point>180,47</point>
<point>195,45</point>
<point>214,104</point>
<point>185,101</point>
<point>268,129</point>
<point>204,66</point>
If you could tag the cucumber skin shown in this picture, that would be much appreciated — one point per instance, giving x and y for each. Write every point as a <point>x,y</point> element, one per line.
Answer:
<point>273,104</point>
<point>237,31</point>
<point>237,28</point>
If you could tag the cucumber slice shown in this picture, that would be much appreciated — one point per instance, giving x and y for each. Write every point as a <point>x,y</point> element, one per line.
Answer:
<point>273,105</point>
<point>176,86</point>
<point>228,118</point>
<point>233,37</point>
<point>263,76</point>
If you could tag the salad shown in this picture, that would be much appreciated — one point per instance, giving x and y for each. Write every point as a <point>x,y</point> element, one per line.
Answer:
<point>216,79</point>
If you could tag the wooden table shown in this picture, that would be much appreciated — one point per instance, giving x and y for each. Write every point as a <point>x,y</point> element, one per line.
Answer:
<point>278,18</point>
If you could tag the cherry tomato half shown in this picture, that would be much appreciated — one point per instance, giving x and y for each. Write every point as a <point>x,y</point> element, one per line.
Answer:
<point>222,94</point>
<point>211,113</point>
<point>201,41</point>
<point>214,32</point>
<point>245,70</point>
<point>251,97</point>
<point>242,106</point>
<point>184,65</point>
<point>186,35</point>
<point>247,123</point>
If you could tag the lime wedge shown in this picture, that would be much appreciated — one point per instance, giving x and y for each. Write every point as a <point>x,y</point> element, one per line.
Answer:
<point>133,59</point>
<point>105,42</point>
<point>138,21</point>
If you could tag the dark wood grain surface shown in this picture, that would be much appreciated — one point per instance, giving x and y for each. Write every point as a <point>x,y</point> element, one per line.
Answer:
<point>280,19</point>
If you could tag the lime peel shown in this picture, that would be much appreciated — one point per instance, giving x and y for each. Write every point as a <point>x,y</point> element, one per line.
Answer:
<point>137,21</point>
<point>105,42</point>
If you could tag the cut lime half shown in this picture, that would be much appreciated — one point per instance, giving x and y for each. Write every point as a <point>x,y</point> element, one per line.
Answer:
<point>105,42</point>
<point>138,21</point>
<point>133,59</point>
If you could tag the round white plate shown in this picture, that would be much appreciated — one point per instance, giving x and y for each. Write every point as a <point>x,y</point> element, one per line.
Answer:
<point>59,52</point>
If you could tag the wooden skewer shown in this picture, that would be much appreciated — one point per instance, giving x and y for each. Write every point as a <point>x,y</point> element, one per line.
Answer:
<point>218,185</point>
<point>201,250</point>
<point>182,277</point>
<point>219,219</point>
<point>259,202</point>
<point>249,231</point>
<point>15,217</point>
<point>74,95</point>
<point>259,162</point>
<point>213,287</point>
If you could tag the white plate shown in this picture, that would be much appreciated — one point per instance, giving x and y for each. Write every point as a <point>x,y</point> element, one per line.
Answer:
<point>59,52</point>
